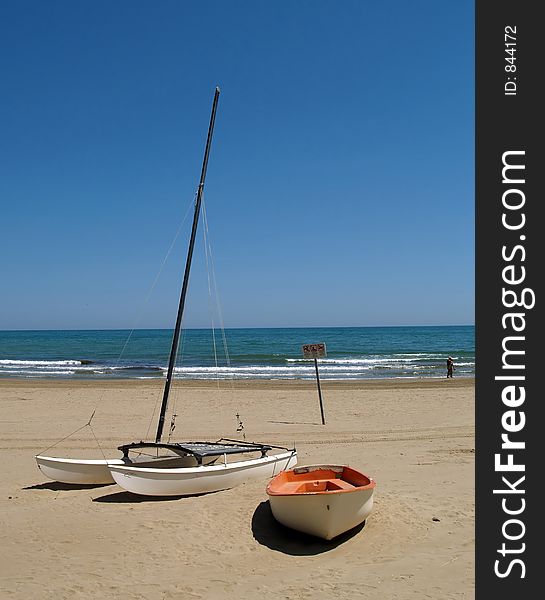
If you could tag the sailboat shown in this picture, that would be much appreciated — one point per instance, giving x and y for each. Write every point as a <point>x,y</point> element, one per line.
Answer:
<point>177,469</point>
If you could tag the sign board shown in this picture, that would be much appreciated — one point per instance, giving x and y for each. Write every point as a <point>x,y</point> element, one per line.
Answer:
<point>314,351</point>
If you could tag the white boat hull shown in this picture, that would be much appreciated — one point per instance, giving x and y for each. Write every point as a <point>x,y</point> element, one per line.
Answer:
<point>321,500</point>
<point>198,480</point>
<point>76,471</point>
<point>96,472</point>
<point>324,516</point>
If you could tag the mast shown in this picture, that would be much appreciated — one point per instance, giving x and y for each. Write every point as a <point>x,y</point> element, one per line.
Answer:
<point>177,328</point>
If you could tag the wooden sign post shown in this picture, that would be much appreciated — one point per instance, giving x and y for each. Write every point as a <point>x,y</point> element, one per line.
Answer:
<point>316,351</point>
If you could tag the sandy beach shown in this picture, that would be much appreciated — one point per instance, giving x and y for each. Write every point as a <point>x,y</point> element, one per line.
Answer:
<point>414,437</point>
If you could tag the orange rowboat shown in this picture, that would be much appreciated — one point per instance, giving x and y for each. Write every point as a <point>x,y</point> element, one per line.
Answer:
<point>321,500</point>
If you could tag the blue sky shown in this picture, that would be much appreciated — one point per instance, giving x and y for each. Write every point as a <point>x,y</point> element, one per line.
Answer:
<point>340,187</point>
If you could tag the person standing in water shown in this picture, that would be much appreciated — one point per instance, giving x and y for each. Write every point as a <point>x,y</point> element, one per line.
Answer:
<point>450,366</point>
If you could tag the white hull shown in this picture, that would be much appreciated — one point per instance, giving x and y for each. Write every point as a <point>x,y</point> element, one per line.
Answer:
<point>321,500</point>
<point>198,480</point>
<point>325,516</point>
<point>76,471</point>
<point>96,472</point>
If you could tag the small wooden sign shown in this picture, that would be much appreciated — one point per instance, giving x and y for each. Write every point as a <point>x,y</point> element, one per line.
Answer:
<point>314,351</point>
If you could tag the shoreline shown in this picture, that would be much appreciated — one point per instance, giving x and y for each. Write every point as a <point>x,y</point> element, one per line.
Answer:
<point>224,384</point>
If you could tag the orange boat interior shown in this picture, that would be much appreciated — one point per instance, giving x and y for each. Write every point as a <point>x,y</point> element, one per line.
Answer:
<point>318,480</point>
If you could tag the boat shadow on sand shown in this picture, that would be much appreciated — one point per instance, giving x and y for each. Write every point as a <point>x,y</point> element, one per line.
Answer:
<point>269,532</point>
<point>57,486</point>
<point>131,498</point>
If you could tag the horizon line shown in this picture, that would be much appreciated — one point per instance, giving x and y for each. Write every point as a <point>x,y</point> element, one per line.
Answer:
<point>226,328</point>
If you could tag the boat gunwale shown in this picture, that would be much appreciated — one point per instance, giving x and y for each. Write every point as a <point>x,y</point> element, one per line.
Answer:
<point>81,461</point>
<point>295,492</point>
<point>216,468</point>
<point>200,449</point>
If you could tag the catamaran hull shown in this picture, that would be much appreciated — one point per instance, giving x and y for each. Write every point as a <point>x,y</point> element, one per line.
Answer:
<point>96,472</point>
<point>199,480</point>
<point>76,471</point>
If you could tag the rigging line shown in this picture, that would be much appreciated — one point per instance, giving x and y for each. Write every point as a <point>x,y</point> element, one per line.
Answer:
<point>152,417</point>
<point>206,239</point>
<point>138,319</point>
<point>213,283</point>
<point>182,346</point>
<point>96,440</point>
<point>65,438</point>
<point>169,251</point>
<point>159,394</point>
<point>208,250</point>
<point>150,291</point>
<point>91,418</point>
<point>176,390</point>
<point>218,303</point>
<point>206,243</point>
<point>146,300</point>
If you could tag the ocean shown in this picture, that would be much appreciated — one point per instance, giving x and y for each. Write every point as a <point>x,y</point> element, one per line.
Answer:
<point>352,353</point>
